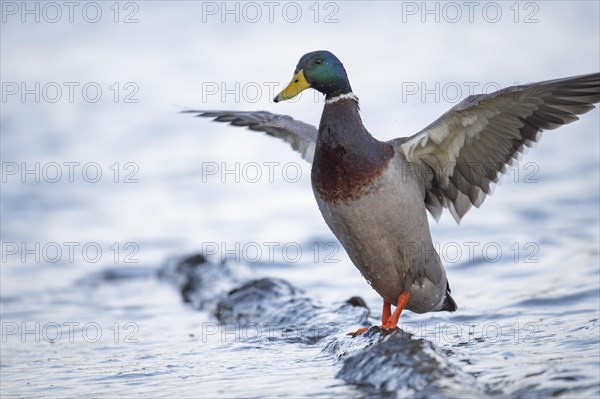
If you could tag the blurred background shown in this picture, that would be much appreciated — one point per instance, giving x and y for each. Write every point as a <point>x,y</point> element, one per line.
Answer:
<point>99,170</point>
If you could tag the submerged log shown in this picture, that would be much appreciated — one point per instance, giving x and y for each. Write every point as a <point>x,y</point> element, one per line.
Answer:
<point>379,363</point>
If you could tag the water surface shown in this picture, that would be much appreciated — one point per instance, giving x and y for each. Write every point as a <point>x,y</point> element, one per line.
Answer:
<point>81,252</point>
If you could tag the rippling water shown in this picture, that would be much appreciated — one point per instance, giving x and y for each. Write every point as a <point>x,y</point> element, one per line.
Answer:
<point>83,312</point>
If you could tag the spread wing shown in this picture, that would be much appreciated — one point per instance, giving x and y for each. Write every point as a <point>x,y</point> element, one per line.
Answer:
<point>301,136</point>
<point>465,151</point>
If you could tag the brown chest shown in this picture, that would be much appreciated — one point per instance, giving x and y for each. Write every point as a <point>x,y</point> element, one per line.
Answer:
<point>341,172</point>
<point>347,158</point>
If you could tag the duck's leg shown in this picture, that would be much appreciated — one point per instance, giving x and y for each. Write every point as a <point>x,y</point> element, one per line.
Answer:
<point>386,313</point>
<point>392,321</point>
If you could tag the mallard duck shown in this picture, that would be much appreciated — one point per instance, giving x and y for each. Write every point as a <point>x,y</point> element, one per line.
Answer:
<point>374,194</point>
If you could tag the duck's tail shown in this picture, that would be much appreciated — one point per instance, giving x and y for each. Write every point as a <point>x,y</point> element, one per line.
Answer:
<point>449,305</point>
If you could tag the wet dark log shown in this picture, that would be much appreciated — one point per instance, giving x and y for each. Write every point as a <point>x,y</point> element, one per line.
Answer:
<point>380,363</point>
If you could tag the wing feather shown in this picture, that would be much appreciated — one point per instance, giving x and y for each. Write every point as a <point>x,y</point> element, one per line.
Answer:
<point>466,150</point>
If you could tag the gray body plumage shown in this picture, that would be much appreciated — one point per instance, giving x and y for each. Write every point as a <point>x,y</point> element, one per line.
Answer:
<point>386,235</point>
<point>374,206</point>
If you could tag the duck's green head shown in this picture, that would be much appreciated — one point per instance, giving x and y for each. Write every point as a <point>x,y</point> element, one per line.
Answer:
<point>320,70</point>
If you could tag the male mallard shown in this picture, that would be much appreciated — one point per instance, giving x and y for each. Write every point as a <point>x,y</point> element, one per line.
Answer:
<point>373,194</point>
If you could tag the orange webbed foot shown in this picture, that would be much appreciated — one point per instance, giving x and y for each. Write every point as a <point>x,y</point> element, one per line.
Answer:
<point>358,332</point>
<point>389,320</point>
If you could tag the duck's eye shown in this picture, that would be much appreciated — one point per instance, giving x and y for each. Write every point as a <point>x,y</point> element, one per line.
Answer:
<point>318,61</point>
<point>296,81</point>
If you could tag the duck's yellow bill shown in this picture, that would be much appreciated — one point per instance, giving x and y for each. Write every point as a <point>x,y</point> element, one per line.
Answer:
<point>297,85</point>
